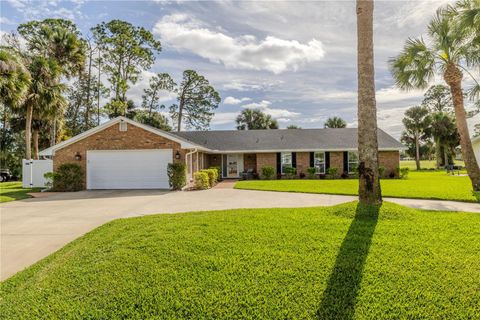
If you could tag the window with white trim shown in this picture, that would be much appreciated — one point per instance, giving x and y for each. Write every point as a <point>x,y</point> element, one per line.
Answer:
<point>286,160</point>
<point>319,161</point>
<point>352,161</point>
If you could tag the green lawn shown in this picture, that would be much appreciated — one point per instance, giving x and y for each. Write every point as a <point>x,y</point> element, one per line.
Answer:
<point>420,184</point>
<point>10,191</point>
<point>335,262</point>
<point>425,164</point>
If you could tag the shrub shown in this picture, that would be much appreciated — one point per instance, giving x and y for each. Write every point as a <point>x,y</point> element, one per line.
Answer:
<point>267,172</point>
<point>302,175</point>
<point>312,172</point>
<point>69,177</point>
<point>381,171</point>
<point>332,172</point>
<point>403,173</point>
<point>289,172</point>
<point>201,180</point>
<point>219,172</point>
<point>49,176</point>
<point>177,175</point>
<point>212,176</point>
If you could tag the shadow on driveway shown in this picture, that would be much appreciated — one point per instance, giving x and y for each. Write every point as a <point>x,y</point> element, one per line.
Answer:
<point>98,194</point>
<point>338,301</point>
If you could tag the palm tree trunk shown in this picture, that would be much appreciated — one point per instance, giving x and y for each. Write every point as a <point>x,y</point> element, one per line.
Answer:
<point>417,152</point>
<point>369,180</point>
<point>453,77</point>
<point>438,153</point>
<point>28,132</point>
<point>35,143</point>
<point>445,156</point>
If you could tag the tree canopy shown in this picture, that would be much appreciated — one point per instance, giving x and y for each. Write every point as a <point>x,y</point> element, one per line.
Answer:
<point>255,119</point>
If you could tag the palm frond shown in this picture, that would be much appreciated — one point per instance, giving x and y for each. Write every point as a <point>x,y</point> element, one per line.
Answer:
<point>415,66</point>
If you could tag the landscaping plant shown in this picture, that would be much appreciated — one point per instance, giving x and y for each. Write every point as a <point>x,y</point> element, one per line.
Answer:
<point>312,172</point>
<point>68,177</point>
<point>332,172</point>
<point>290,172</point>
<point>177,175</point>
<point>267,172</point>
<point>212,176</point>
<point>201,180</point>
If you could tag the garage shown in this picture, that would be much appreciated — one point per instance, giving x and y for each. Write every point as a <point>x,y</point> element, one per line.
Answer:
<point>128,169</point>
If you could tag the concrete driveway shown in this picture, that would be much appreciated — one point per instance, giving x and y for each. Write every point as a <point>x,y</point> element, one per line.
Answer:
<point>31,229</point>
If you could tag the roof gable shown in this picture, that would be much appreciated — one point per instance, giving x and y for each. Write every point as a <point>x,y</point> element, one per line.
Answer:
<point>182,141</point>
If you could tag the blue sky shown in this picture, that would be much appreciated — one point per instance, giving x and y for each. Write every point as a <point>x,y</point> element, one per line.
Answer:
<point>295,60</point>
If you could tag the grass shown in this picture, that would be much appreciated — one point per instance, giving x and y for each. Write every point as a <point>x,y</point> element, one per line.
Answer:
<point>327,263</point>
<point>425,164</point>
<point>420,184</point>
<point>11,191</point>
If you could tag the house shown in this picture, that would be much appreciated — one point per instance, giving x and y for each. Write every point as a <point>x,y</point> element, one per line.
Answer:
<point>476,148</point>
<point>124,154</point>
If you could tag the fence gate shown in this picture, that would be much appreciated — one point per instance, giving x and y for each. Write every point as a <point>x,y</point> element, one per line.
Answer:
<point>33,171</point>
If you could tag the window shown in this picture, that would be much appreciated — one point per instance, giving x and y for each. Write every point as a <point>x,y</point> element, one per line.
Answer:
<point>286,158</point>
<point>352,161</point>
<point>319,162</point>
<point>123,126</point>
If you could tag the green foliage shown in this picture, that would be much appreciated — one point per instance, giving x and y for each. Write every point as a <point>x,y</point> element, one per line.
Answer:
<point>381,171</point>
<point>201,265</point>
<point>14,80</point>
<point>201,180</point>
<point>290,172</point>
<point>126,50</point>
<point>11,191</point>
<point>335,122</point>
<point>332,172</point>
<point>177,175</point>
<point>255,119</point>
<point>419,185</point>
<point>219,172</point>
<point>197,101</point>
<point>312,172</point>
<point>403,173</point>
<point>68,177</point>
<point>293,126</point>
<point>212,176</point>
<point>267,172</point>
<point>157,83</point>
<point>154,119</point>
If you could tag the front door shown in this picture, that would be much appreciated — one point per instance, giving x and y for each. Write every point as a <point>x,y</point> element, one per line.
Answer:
<point>232,165</point>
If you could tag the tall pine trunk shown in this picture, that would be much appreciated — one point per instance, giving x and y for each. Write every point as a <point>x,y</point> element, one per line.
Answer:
<point>369,181</point>
<point>180,114</point>
<point>453,76</point>
<point>28,132</point>
<point>35,134</point>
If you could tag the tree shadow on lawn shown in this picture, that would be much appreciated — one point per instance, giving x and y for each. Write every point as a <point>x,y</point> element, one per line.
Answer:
<point>338,301</point>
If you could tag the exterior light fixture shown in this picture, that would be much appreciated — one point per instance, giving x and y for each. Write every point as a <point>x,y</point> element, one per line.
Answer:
<point>177,155</point>
<point>78,157</point>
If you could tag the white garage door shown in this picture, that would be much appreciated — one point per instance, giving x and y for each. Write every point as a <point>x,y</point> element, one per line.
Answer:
<point>128,169</point>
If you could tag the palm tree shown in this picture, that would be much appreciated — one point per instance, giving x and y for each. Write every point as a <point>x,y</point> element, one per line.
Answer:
<point>14,80</point>
<point>417,122</point>
<point>335,122</point>
<point>369,180</point>
<point>449,50</point>
<point>44,93</point>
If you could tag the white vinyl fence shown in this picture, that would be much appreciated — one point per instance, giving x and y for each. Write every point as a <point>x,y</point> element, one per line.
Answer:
<point>33,171</point>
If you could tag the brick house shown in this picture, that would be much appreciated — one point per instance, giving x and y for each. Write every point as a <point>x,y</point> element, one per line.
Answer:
<point>124,154</point>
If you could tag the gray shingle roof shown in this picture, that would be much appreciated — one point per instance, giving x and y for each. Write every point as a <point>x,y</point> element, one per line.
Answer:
<point>284,140</point>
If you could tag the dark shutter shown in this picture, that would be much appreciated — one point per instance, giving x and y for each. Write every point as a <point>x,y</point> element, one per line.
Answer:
<point>279,162</point>
<point>327,160</point>
<point>312,159</point>
<point>345,161</point>
<point>294,159</point>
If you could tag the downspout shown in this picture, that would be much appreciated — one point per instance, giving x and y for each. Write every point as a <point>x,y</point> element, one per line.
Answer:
<point>191,162</point>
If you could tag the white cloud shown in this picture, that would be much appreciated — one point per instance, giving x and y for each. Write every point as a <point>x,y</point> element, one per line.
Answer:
<point>5,20</point>
<point>264,106</point>
<point>244,52</point>
<point>224,118</point>
<point>233,100</point>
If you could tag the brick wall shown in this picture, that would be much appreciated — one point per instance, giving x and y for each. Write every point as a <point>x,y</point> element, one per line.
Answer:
<point>336,161</point>
<point>266,159</point>
<point>112,138</point>
<point>303,162</point>
<point>390,160</point>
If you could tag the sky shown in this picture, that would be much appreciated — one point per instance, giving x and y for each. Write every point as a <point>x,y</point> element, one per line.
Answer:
<point>295,60</point>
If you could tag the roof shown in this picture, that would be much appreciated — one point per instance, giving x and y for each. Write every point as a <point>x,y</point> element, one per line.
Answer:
<point>284,140</point>
<point>183,142</point>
